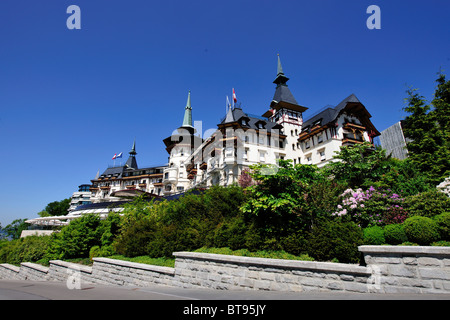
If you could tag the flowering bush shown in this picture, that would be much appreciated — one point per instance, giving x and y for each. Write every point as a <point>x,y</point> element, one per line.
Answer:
<point>373,207</point>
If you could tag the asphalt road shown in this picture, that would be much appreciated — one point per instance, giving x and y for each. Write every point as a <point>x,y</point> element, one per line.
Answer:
<point>48,290</point>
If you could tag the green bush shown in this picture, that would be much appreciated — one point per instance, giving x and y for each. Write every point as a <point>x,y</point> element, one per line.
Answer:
<point>395,234</point>
<point>28,249</point>
<point>373,235</point>
<point>443,223</point>
<point>330,240</point>
<point>77,238</point>
<point>421,230</point>
<point>427,204</point>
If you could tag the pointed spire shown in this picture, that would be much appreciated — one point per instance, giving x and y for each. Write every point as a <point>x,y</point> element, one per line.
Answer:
<point>187,120</point>
<point>133,149</point>
<point>131,162</point>
<point>281,79</point>
<point>229,118</point>
<point>279,67</point>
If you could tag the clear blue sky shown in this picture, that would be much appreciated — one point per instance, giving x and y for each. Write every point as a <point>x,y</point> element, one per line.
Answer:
<point>70,99</point>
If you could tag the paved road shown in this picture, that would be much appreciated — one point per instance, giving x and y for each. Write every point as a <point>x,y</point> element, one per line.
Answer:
<point>42,290</point>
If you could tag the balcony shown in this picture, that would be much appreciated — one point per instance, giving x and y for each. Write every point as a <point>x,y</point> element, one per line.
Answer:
<point>203,166</point>
<point>131,186</point>
<point>353,126</point>
<point>170,175</point>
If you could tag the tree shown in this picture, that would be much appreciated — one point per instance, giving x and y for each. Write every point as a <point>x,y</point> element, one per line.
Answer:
<point>56,208</point>
<point>14,229</point>
<point>359,165</point>
<point>427,129</point>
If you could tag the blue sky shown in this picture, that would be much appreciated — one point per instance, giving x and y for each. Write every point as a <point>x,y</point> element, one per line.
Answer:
<point>71,99</point>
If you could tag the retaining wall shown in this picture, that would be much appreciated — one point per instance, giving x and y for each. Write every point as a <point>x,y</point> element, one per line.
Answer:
<point>389,269</point>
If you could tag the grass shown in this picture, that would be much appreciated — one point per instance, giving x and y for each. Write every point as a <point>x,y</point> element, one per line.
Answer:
<point>258,254</point>
<point>163,262</point>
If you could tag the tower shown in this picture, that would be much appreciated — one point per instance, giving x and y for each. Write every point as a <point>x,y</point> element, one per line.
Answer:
<point>286,111</point>
<point>131,162</point>
<point>180,146</point>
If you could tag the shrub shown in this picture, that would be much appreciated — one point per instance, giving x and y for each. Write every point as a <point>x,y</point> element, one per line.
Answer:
<point>28,249</point>
<point>76,239</point>
<point>374,235</point>
<point>395,234</point>
<point>334,239</point>
<point>443,223</point>
<point>372,207</point>
<point>428,204</point>
<point>421,230</point>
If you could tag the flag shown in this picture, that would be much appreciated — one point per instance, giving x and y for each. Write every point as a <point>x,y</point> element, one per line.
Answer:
<point>234,96</point>
<point>228,103</point>
<point>115,156</point>
<point>119,155</point>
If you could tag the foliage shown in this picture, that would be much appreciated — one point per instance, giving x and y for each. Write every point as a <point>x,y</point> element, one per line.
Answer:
<point>443,224</point>
<point>421,230</point>
<point>194,220</point>
<point>290,200</point>
<point>245,179</point>
<point>56,208</point>
<point>395,234</point>
<point>374,235</point>
<point>428,204</point>
<point>76,239</point>
<point>371,207</point>
<point>30,249</point>
<point>358,165</point>
<point>427,131</point>
<point>331,239</point>
<point>15,228</point>
<point>402,177</point>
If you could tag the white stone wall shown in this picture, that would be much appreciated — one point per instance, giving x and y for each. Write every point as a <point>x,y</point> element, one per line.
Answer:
<point>389,269</point>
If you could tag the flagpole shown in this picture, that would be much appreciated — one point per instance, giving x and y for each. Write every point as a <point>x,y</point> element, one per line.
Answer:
<point>232,98</point>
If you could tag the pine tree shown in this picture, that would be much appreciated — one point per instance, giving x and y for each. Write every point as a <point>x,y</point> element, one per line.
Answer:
<point>427,128</point>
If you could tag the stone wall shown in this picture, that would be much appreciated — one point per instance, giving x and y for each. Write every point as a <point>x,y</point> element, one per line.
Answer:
<point>389,269</point>
<point>231,272</point>
<point>118,272</point>
<point>402,269</point>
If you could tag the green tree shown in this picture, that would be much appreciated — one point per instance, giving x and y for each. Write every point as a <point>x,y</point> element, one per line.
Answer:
<point>56,208</point>
<point>359,165</point>
<point>14,229</point>
<point>427,129</point>
<point>289,201</point>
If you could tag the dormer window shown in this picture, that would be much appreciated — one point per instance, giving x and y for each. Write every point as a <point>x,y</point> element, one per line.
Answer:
<point>317,123</point>
<point>260,124</point>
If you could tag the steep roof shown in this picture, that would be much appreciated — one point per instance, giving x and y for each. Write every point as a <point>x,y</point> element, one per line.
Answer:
<point>245,120</point>
<point>328,115</point>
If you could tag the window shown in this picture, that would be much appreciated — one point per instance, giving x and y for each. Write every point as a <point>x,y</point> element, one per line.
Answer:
<point>322,155</point>
<point>320,138</point>
<point>246,138</point>
<point>293,146</point>
<point>307,146</point>
<point>262,156</point>
<point>180,188</point>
